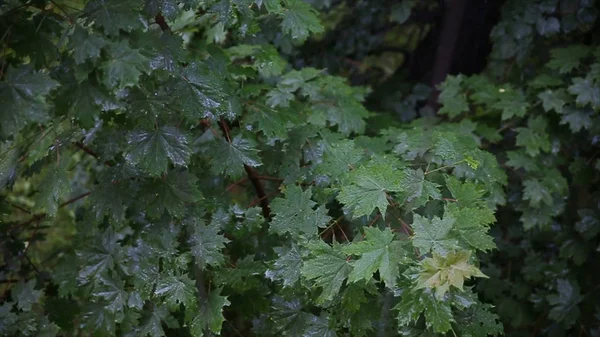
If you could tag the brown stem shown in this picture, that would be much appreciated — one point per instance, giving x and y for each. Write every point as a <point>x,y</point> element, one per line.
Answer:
<point>160,20</point>
<point>252,176</point>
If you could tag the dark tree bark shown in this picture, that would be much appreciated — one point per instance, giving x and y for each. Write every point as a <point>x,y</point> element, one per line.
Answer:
<point>451,25</point>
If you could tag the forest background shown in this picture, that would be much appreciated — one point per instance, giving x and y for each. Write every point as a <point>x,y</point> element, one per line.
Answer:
<point>299,168</point>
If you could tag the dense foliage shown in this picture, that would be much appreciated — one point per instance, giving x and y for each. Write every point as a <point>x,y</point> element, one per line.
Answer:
<point>196,167</point>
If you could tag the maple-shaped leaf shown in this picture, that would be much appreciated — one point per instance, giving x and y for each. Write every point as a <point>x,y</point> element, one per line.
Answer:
<point>207,244</point>
<point>55,185</point>
<point>478,320</point>
<point>210,315</point>
<point>452,98</point>
<point>566,59</point>
<point>511,102</point>
<point>25,295</point>
<point>578,118</point>
<point>534,137</point>
<point>230,157</point>
<point>205,91</point>
<point>335,103</point>
<point>110,197</point>
<point>152,150</point>
<point>111,290</point>
<point>177,290</point>
<point>287,266</point>
<point>327,267</point>
<point>368,187</point>
<point>266,59</point>
<point>378,251</point>
<point>586,91</point>
<point>114,15</point>
<point>553,100</point>
<point>472,225</point>
<point>296,214</point>
<point>299,20</point>
<point>104,254</point>
<point>86,46</point>
<point>520,160</point>
<point>88,101</point>
<point>540,191</point>
<point>339,158</point>
<point>565,302</point>
<point>172,193</point>
<point>245,275</point>
<point>273,123</point>
<point>440,272</point>
<point>22,97</point>
<point>279,98</point>
<point>124,66</point>
<point>438,314</point>
<point>465,193</point>
<point>152,324</point>
<point>433,235</point>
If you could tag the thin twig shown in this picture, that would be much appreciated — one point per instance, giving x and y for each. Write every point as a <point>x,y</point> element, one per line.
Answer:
<point>40,217</point>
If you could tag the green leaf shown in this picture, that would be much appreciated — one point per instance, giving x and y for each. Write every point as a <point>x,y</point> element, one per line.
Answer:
<point>22,97</point>
<point>566,59</point>
<point>296,214</point>
<point>230,157</point>
<point>453,100</point>
<point>534,137</point>
<point>288,265</point>
<point>472,225</point>
<point>85,46</point>
<point>54,186</point>
<point>339,158</point>
<point>110,197</point>
<point>114,15</point>
<point>204,90</point>
<point>511,102</point>
<point>438,314</point>
<point>369,186</point>
<point>578,119</point>
<point>207,244</point>
<point>433,235</point>
<point>211,314</point>
<point>124,66</point>
<point>176,290</point>
<point>478,321</point>
<point>105,253</point>
<point>172,193</point>
<point>565,302</point>
<point>299,20</point>
<point>25,294</point>
<point>111,291</point>
<point>327,268</point>
<point>152,150</point>
<point>88,102</point>
<point>378,252</point>
<point>586,91</point>
<point>553,100</point>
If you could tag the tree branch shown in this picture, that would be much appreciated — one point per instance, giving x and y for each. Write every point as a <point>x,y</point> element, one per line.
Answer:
<point>160,20</point>
<point>252,176</point>
<point>39,217</point>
